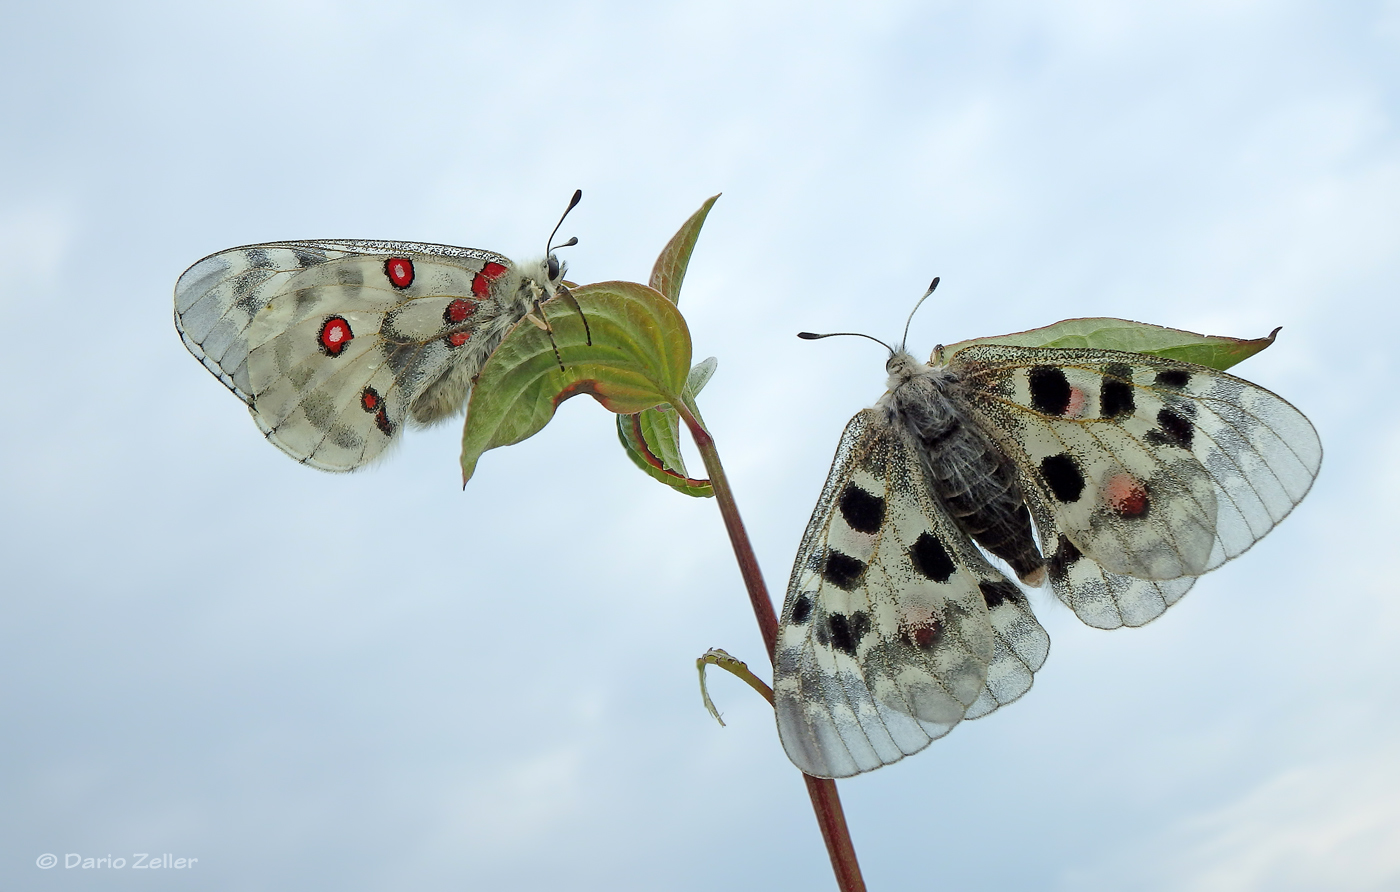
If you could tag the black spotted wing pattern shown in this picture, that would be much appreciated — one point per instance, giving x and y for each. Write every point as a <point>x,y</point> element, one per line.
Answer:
<point>1142,473</point>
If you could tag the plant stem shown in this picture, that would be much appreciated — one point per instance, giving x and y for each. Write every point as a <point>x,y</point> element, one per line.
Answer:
<point>825,800</point>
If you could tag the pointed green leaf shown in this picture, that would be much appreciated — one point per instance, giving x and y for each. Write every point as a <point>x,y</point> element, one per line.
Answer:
<point>652,439</point>
<point>639,358</point>
<point>669,271</point>
<point>1101,333</point>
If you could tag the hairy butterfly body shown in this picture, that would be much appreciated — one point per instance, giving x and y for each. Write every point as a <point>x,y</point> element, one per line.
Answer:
<point>1117,477</point>
<point>335,345</point>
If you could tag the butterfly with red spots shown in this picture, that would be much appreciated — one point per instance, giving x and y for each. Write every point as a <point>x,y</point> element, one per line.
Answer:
<point>335,345</point>
<point>1117,477</point>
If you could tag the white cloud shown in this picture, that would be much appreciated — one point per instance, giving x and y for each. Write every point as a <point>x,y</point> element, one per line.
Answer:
<point>1331,824</point>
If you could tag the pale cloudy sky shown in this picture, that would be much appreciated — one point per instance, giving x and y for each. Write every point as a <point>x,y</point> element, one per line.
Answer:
<point>379,681</point>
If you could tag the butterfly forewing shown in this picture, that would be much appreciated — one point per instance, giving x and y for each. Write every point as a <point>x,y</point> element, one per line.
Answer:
<point>886,637</point>
<point>334,345</point>
<point>1153,468</point>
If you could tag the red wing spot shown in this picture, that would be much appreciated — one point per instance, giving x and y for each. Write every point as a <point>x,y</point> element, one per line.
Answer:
<point>458,311</point>
<point>370,401</point>
<point>335,335</point>
<point>400,271</point>
<point>481,285</point>
<point>381,420</point>
<point>458,338</point>
<point>926,636</point>
<point>1126,496</point>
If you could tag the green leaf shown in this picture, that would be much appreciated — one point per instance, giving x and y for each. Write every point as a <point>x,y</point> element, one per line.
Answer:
<point>640,357</point>
<point>652,438</point>
<point>1213,351</point>
<point>669,271</point>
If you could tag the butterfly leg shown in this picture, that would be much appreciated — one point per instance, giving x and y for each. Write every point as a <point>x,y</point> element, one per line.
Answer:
<point>572,301</point>
<point>537,317</point>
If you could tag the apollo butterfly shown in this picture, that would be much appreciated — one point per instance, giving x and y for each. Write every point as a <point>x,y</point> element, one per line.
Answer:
<point>335,345</point>
<point>1117,477</point>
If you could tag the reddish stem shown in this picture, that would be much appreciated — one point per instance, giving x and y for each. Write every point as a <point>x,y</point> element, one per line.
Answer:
<point>825,800</point>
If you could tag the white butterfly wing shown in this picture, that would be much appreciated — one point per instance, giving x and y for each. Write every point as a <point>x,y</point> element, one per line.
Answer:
<point>331,343</point>
<point>886,639</point>
<point>1021,647</point>
<point>1155,470</point>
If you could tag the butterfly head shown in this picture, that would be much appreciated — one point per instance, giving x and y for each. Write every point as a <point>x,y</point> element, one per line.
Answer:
<point>547,274</point>
<point>901,366</point>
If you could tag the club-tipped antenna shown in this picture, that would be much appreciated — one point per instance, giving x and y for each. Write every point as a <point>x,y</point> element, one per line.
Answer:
<point>932,285</point>
<point>808,336</point>
<point>573,203</point>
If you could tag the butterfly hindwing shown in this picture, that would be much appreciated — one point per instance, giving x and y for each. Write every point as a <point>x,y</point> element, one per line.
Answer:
<point>1021,647</point>
<point>887,640</point>
<point>334,345</point>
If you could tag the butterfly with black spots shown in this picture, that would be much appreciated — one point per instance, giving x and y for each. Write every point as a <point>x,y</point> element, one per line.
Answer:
<point>1119,478</point>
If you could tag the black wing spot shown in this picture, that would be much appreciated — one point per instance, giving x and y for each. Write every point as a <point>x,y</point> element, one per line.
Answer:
<point>1116,396</point>
<point>801,609</point>
<point>998,592</point>
<point>1062,473</point>
<point>1172,430</point>
<point>349,275</point>
<point>931,559</point>
<point>847,631</point>
<point>1064,557</point>
<point>1173,378</point>
<point>1050,390</point>
<point>864,511</point>
<point>842,570</point>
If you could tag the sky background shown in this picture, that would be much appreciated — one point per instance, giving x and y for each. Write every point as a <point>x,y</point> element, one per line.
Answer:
<point>379,681</point>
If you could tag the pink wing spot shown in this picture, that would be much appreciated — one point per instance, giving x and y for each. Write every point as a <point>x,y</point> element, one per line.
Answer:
<point>458,311</point>
<point>335,334</point>
<point>400,271</point>
<point>1076,403</point>
<point>1126,496</point>
<point>458,338</point>
<point>921,626</point>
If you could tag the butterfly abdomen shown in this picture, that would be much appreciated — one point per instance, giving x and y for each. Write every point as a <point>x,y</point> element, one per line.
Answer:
<point>966,471</point>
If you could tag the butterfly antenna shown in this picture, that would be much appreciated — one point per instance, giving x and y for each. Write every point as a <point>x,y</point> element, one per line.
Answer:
<point>573,203</point>
<point>808,336</point>
<point>905,339</point>
<point>563,290</point>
